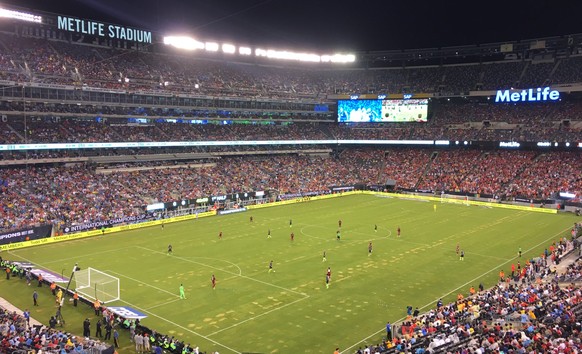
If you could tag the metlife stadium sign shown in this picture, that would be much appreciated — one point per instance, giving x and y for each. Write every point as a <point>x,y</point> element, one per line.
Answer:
<point>529,95</point>
<point>100,29</point>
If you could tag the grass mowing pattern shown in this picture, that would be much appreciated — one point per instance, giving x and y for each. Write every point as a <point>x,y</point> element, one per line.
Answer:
<point>290,310</point>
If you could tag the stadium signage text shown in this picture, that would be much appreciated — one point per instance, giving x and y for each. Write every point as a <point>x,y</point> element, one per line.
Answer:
<point>230,211</point>
<point>127,312</point>
<point>26,234</point>
<point>509,144</point>
<point>218,198</point>
<point>100,29</point>
<point>529,95</point>
<point>105,223</point>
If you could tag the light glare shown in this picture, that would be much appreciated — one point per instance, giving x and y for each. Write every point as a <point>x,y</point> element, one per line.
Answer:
<point>17,15</point>
<point>211,46</point>
<point>228,48</point>
<point>183,42</point>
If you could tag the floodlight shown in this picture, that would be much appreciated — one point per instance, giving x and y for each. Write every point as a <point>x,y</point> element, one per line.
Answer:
<point>211,46</point>
<point>17,15</point>
<point>187,43</point>
<point>244,51</point>
<point>228,48</point>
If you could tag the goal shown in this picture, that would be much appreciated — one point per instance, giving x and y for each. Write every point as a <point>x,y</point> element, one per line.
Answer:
<point>95,284</point>
<point>454,199</point>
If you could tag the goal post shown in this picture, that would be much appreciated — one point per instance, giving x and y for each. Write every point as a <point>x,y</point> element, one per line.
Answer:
<point>95,284</point>
<point>454,199</point>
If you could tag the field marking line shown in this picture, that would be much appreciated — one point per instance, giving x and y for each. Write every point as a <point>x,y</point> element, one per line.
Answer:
<point>222,260</point>
<point>153,314</point>
<point>455,289</point>
<point>164,303</point>
<point>141,282</point>
<point>255,317</point>
<point>333,238</point>
<point>226,271</point>
<point>77,257</point>
<point>485,256</point>
<point>182,327</point>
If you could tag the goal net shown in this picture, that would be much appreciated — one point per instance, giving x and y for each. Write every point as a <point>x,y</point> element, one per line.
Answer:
<point>95,284</point>
<point>454,199</point>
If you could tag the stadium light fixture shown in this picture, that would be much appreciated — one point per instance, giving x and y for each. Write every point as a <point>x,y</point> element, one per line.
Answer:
<point>338,58</point>
<point>189,43</point>
<point>211,46</point>
<point>18,15</point>
<point>228,48</point>
<point>287,55</point>
<point>245,51</point>
<point>182,42</point>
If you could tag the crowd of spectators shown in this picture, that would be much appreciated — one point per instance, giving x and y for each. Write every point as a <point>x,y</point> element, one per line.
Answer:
<point>120,130</point>
<point>526,312</point>
<point>30,59</point>
<point>17,335</point>
<point>80,194</point>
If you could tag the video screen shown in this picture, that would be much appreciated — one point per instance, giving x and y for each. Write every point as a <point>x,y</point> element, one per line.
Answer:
<point>409,110</point>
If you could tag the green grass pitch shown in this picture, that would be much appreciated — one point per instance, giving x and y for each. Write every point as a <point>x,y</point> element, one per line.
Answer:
<point>290,310</point>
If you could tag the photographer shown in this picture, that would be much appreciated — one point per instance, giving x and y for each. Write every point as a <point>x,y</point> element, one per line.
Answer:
<point>53,322</point>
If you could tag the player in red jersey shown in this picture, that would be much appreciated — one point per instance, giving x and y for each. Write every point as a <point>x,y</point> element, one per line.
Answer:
<point>213,281</point>
<point>220,235</point>
<point>292,236</point>
<point>398,231</point>
<point>339,223</point>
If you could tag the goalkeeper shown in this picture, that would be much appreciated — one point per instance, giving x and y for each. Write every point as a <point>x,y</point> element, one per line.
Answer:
<point>182,293</point>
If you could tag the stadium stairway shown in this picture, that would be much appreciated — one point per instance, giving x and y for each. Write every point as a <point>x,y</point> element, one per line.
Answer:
<point>433,157</point>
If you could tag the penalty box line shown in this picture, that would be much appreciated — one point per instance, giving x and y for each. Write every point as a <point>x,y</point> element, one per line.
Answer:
<point>182,327</point>
<point>228,272</point>
<point>155,315</point>
<point>255,317</point>
<point>235,275</point>
<point>457,288</point>
<point>141,282</point>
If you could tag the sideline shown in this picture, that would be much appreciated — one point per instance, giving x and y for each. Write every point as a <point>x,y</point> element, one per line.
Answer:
<point>346,351</point>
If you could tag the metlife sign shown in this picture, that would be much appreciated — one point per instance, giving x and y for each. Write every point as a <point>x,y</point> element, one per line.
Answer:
<point>529,95</point>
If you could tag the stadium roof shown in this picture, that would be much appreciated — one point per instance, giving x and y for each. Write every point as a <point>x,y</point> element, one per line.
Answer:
<point>335,25</point>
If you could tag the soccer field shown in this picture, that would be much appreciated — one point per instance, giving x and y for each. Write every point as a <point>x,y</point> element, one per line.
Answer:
<point>290,310</point>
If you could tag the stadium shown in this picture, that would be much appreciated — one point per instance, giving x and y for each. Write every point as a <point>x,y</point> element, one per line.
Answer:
<point>164,193</point>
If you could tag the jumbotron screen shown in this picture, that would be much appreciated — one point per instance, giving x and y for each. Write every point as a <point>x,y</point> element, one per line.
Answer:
<point>408,110</point>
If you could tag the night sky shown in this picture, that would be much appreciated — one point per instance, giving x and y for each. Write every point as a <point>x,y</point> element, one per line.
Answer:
<point>319,25</point>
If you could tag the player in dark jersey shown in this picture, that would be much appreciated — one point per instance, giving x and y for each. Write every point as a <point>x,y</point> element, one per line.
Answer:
<point>220,235</point>
<point>169,249</point>
<point>292,236</point>
<point>213,281</point>
<point>369,249</point>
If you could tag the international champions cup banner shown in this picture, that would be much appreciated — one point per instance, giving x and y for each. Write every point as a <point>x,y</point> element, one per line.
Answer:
<point>25,234</point>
